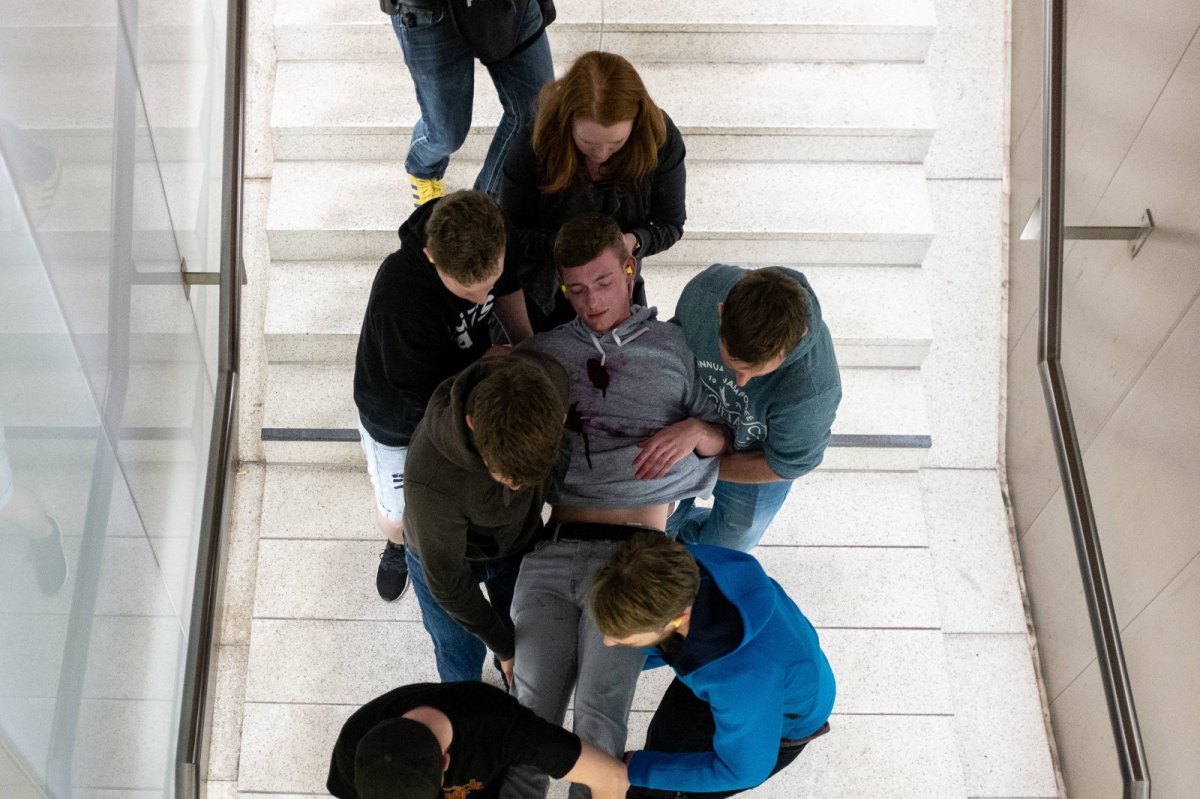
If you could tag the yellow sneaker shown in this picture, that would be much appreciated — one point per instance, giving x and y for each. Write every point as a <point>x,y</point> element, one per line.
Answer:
<point>425,189</point>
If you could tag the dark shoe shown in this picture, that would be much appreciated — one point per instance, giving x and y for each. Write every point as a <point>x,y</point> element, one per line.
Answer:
<point>49,560</point>
<point>392,578</point>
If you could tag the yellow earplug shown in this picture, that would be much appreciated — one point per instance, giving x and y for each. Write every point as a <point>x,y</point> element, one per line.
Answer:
<point>564,289</point>
<point>629,270</point>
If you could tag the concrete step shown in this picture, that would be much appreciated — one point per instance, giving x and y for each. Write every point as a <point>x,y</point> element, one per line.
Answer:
<point>881,425</point>
<point>315,502</point>
<point>285,749</point>
<point>315,310</point>
<point>356,110</point>
<point>86,34</point>
<point>668,30</point>
<point>792,213</point>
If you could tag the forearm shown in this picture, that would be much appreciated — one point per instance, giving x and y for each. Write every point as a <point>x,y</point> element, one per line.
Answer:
<point>605,775</point>
<point>510,310</point>
<point>747,467</point>
<point>713,440</point>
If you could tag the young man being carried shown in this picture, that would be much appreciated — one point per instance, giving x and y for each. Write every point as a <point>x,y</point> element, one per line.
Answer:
<point>481,464</point>
<point>426,319</point>
<point>444,741</point>
<point>752,686</point>
<point>630,375</point>
<point>767,359</point>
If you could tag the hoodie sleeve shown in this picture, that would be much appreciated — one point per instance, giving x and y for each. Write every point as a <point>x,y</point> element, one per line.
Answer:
<point>748,716</point>
<point>440,533</point>
<point>668,191</point>
<point>798,433</point>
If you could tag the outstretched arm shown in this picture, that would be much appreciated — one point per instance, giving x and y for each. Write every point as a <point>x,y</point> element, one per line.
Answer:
<point>605,775</point>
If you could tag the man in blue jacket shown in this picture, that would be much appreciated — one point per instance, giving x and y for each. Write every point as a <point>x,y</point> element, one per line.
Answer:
<point>766,358</point>
<point>752,686</point>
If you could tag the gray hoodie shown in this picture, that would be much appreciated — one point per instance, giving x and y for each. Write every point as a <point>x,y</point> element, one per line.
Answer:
<point>626,385</point>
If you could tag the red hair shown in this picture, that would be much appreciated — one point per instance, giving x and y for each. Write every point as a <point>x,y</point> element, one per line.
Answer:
<point>606,89</point>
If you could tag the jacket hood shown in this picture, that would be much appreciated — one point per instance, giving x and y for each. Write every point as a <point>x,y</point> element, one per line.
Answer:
<point>412,230</point>
<point>814,321</point>
<point>619,336</point>
<point>446,418</point>
<point>744,583</point>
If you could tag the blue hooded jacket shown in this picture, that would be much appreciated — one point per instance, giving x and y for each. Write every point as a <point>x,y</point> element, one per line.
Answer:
<point>776,684</point>
<point>788,414</point>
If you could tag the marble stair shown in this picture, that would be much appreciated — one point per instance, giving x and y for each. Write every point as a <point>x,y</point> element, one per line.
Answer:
<point>807,125</point>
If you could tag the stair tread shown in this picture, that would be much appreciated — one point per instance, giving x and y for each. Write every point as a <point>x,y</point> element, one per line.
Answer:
<point>343,96</point>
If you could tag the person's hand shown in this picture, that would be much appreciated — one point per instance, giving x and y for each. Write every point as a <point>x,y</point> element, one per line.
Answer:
<point>630,242</point>
<point>667,447</point>
<point>497,351</point>
<point>506,668</point>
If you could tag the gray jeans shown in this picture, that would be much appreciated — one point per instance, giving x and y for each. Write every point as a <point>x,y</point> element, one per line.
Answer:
<point>558,646</point>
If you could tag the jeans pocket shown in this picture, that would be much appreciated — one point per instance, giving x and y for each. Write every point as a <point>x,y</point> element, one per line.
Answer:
<point>418,17</point>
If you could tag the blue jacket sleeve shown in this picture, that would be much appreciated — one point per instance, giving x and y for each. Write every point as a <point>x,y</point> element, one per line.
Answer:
<point>749,725</point>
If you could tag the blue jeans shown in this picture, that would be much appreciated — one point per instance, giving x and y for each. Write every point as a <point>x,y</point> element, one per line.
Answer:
<point>458,653</point>
<point>443,73</point>
<point>740,514</point>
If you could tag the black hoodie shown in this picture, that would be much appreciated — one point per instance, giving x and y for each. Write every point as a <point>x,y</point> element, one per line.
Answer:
<point>415,334</point>
<point>455,514</point>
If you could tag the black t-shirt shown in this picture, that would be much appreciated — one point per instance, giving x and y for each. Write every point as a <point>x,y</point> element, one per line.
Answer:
<point>491,732</point>
<point>415,334</point>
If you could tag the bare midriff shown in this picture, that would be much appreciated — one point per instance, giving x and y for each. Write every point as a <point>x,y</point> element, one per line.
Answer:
<point>650,516</point>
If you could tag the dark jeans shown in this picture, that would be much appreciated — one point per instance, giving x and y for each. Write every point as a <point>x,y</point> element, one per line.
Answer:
<point>684,723</point>
<point>458,653</point>
<point>443,73</point>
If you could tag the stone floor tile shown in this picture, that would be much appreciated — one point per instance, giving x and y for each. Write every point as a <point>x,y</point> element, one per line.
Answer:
<point>319,502</point>
<point>998,720</point>
<point>242,559</point>
<point>857,587</point>
<point>335,662</point>
<point>972,552</point>
<point>325,580</point>
<point>227,713</point>
<point>963,273</point>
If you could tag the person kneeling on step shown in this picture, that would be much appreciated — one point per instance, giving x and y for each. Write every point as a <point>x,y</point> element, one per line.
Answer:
<point>752,686</point>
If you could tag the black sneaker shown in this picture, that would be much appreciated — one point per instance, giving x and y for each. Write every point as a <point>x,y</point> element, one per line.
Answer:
<point>49,559</point>
<point>392,578</point>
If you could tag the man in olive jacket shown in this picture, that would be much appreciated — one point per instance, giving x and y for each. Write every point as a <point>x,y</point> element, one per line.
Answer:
<point>480,466</point>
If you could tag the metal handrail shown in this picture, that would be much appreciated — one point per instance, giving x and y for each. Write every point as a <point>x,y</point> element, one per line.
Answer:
<point>1105,630</point>
<point>199,683</point>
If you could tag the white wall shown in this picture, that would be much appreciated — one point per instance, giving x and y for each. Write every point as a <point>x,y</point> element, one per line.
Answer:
<point>1132,361</point>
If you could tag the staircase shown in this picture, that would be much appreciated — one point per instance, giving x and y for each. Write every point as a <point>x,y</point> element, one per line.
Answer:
<point>807,125</point>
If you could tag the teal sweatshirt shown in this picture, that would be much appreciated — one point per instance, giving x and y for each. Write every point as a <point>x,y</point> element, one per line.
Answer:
<point>788,414</point>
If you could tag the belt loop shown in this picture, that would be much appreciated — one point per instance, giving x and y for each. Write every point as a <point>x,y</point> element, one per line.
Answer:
<point>555,529</point>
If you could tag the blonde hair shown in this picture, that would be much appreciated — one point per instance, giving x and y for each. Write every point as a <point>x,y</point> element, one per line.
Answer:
<point>649,580</point>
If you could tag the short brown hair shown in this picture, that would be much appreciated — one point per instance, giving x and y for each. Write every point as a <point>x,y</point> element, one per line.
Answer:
<point>466,236</point>
<point>649,580</point>
<point>606,89</point>
<point>764,316</point>
<point>584,237</point>
<point>517,413</point>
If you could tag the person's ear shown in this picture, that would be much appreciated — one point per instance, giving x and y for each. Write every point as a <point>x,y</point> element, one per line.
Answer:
<point>445,761</point>
<point>720,307</point>
<point>471,423</point>
<point>428,254</point>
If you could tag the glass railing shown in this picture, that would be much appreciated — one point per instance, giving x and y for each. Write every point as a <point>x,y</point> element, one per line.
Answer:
<point>113,168</point>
